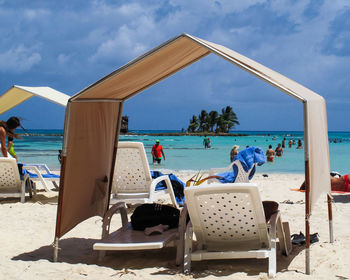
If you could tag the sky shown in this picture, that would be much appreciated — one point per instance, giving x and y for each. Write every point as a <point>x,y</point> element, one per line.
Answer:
<point>69,45</point>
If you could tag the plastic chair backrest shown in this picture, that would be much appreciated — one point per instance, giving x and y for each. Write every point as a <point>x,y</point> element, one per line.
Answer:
<point>9,175</point>
<point>227,216</point>
<point>131,173</point>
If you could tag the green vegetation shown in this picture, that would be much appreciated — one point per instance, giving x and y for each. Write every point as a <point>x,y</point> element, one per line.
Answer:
<point>214,122</point>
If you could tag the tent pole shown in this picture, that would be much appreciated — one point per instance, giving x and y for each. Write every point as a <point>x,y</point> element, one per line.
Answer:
<point>61,189</point>
<point>55,252</point>
<point>307,189</point>
<point>330,218</point>
<point>307,216</point>
<point>115,150</point>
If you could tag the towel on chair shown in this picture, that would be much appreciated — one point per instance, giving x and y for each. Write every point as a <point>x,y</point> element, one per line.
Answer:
<point>248,158</point>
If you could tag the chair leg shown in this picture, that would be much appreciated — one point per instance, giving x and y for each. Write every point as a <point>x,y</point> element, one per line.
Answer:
<point>101,255</point>
<point>55,184</point>
<point>188,248</point>
<point>273,254</point>
<point>272,263</point>
<point>23,191</point>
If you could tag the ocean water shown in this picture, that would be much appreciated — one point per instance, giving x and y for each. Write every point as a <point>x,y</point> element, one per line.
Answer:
<point>188,153</point>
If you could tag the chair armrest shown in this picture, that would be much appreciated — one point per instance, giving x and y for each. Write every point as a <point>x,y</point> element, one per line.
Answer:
<point>272,224</point>
<point>169,188</point>
<point>183,219</point>
<point>118,207</point>
<point>38,167</point>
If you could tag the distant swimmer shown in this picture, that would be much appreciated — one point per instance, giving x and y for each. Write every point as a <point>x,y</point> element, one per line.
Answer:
<point>279,151</point>
<point>284,143</point>
<point>300,145</point>
<point>270,154</point>
<point>290,143</point>
<point>157,152</point>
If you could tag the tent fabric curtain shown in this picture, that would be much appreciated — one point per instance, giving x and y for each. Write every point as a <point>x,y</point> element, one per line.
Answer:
<point>89,154</point>
<point>90,127</point>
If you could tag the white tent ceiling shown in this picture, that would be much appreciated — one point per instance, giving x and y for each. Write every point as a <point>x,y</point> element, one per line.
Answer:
<point>18,94</point>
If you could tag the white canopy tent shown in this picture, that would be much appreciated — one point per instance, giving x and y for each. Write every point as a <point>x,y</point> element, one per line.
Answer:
<point>93,118</point>
<point>18,94</point>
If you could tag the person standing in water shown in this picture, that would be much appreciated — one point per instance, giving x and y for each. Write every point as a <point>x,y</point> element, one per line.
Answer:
<point>279,151</point>
<point>234,152</point>
<point>270,154</point>
<point>206,142</point>
<point>157,152</point>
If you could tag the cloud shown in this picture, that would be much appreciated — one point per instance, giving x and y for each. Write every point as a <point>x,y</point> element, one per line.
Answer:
<point>17,60</point>
<point>337,42</point>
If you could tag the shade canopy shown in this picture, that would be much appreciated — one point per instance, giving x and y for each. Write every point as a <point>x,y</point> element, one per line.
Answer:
<point>93,118</point>
<point>18,94</point>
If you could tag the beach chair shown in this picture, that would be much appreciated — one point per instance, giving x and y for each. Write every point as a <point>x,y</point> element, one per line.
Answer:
<point>11,183</point>
<point>42,173</point>
<point>241,177</point>
<point>229,223</point>
<point>132,181</point>
<point>126,238</point>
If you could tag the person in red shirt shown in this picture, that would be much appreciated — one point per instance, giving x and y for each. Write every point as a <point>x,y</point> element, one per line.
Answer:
<point>157,152</point>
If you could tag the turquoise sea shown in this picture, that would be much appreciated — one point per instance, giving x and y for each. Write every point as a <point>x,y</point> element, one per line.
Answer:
<point>188,153</point>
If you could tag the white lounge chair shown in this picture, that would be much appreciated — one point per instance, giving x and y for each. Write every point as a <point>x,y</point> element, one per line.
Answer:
<point>229,223</point>
<point>132,181</point>
<point>42,173</point>
<point>11,184</point>
<point>126,239</point>
<point>242,176</point>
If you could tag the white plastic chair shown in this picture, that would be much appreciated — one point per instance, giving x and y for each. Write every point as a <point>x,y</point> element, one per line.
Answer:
<point>126,239</point>
<point>242,176</point>
<point>11,184</point>
<point>132,181</point>
<point>42,173</point>
<point>229,223</point>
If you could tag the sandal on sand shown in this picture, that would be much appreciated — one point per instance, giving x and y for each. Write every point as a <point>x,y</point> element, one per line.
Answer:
<point>299,239</point>
<point>314,238</point>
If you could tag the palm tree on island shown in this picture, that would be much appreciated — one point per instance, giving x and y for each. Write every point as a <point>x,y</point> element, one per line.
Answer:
<point>220,123</point>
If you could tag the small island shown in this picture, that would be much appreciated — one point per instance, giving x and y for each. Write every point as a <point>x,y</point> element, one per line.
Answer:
<point>207,124</point>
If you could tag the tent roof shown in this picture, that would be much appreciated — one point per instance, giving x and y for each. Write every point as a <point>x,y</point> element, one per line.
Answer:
<point>18,94</point>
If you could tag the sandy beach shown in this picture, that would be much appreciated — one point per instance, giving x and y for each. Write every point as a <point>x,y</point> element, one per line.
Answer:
<point>27,232</point>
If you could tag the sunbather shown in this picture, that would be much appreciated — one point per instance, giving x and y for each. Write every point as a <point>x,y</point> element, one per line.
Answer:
<point>337,184</point>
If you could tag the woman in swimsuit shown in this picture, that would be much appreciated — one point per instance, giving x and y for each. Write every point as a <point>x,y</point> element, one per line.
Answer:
<point>337,184</point>
<point>270,154</point>
<point>7,129</point>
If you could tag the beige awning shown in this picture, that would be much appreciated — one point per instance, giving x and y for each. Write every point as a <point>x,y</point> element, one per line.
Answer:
<point>18,94</point>
<point>93,117</point>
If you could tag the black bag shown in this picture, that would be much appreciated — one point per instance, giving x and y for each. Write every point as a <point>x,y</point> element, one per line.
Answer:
<point>150,215</point>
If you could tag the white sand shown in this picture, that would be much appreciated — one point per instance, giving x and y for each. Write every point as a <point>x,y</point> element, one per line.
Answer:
<point>27,231</point>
